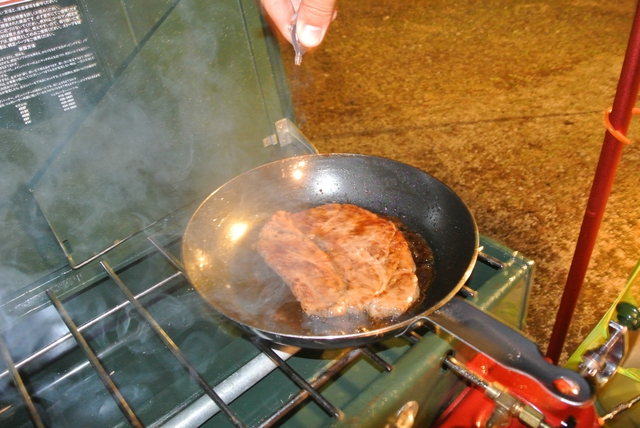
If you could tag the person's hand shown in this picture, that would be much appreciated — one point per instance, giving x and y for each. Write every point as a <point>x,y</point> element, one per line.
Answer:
<point>314,17</point>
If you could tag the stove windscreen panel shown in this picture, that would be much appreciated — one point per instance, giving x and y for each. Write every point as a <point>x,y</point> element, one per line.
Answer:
<point>182,95</point>
<point>183,117</point>
<point>50,72</point>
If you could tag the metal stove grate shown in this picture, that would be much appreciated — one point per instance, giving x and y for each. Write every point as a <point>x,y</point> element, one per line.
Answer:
<point>195,410</point>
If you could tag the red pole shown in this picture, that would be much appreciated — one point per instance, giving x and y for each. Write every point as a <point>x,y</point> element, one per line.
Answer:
<point>624,101</point>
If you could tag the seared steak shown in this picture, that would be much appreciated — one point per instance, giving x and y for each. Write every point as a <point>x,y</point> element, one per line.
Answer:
<point>340,258</point>
<point>303,266</point>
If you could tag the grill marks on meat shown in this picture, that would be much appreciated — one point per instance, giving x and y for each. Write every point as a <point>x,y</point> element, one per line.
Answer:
<point>341,259</point>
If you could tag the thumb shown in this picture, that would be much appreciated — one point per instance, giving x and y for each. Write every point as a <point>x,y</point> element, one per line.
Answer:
<point>314,17</point>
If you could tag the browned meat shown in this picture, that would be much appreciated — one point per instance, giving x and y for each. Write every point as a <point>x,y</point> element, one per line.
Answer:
<point>365,261</point>
<point>402,289</point>
<point>303,266</point>
<point>357,243</point>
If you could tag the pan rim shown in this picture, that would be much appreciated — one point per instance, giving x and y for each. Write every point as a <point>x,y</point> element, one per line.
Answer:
<point>337,340</point>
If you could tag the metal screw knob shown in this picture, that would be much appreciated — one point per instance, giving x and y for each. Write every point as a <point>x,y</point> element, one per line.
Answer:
<point>628,315</point>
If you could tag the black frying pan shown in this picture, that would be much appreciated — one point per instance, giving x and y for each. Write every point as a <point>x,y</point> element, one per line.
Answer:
<point>223,266</point>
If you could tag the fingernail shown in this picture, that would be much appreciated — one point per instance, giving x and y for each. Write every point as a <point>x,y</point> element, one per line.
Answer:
<point>310,36</point>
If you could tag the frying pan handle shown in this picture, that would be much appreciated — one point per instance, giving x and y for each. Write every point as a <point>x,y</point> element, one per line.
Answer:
<point>507,347</point>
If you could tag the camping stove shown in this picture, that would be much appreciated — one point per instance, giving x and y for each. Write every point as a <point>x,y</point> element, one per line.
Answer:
<point>139,346</point>
<point>117,118</point>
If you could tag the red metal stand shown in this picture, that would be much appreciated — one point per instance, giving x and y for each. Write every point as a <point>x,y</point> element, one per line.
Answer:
<point>624,101</point>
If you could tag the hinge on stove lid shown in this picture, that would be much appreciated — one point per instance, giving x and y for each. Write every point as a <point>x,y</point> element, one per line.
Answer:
<point>288,133</point>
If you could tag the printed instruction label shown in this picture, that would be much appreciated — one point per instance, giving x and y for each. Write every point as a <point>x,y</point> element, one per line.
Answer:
<point>48,65</point>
